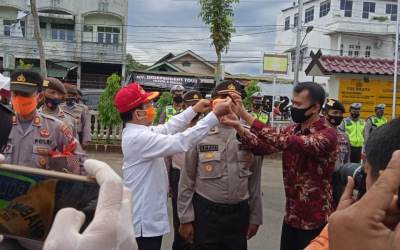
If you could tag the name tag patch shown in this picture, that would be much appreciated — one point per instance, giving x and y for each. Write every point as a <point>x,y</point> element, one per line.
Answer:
<point>208,148</point>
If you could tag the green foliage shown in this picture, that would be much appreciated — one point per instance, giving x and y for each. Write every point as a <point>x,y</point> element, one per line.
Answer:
<point>108,113</point>
<point>164,100</point>
<point>218,14</point>
<point>250,90</point>
<point>380,18</point>
<point>132,64</point>
<point>23,65</point>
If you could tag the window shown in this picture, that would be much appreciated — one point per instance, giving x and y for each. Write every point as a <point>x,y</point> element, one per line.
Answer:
<point>347,6</point>
<point>324,8</point>
<point>351,50</point>
<point>88,28</point>
<point>368,7</point>
<point>296,20</point>
<point>341,49</point>
<point>186,64</point>
<point>7,27</point>
<point>108,35</point>
<point>293,58</point>
<point>368,51</point>
<point>287,23</point>
<point>357,50</point>
<point>61,31</point>
<point>309,15</point>
<point>391,9</point>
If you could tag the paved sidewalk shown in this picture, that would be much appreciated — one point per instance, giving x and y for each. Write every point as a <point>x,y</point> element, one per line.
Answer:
<point>268,237</point>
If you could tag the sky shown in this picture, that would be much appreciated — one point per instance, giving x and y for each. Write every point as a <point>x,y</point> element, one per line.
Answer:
<point>157,27</point>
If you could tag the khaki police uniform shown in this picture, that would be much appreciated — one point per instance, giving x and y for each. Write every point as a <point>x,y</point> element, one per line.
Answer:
<point>219,190</point>
<point>31,147</point>
<point>64,116</point>
<point>82,120</point>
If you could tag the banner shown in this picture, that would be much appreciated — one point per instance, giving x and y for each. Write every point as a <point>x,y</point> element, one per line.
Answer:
<point>275,64</point>
<point>166,82</point>
<point>368,94</point>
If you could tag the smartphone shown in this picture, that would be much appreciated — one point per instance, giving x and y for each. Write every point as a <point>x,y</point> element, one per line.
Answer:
<point>30,199</point>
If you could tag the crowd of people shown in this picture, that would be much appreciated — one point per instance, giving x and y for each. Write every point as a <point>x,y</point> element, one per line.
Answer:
<point>207,155</point>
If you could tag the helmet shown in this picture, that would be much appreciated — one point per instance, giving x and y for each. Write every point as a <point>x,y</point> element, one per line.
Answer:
<point>177,88</point>
<point>356,105</point>
<point>380,106</point>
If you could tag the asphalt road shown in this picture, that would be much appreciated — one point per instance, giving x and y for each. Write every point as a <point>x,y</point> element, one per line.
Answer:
<point>268,237</point>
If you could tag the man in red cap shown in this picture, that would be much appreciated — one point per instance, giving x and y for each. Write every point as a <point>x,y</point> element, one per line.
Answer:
<point>144,148</point>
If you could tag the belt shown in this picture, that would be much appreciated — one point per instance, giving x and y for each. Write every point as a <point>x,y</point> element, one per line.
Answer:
<point>218,207</point>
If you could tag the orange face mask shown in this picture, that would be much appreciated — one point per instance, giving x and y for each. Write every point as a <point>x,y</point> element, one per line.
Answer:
<point>150,113</point>
<point>24,106</point>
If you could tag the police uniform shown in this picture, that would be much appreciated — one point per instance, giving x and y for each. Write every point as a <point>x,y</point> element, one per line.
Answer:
<point>81,116</point>
<point>354,128</point>
<point>374,122</point>
<point>219,189</point>
<point>257,99</point>
<point>190,98</point>
<point>31,146</point>
<point>62,115</point>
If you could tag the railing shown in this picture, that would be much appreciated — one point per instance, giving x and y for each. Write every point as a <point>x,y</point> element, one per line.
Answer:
<point>101,132</point>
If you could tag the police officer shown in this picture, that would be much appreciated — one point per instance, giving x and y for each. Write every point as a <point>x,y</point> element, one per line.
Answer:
<point>219,201</point>
<point>78,111</point>
<point>257,109</point>
<point>375,121</point>
<point>176,107</point>
<point>190,98</point>
<point>354,127</point>
<point>34,134</point>
<point>54,92</point>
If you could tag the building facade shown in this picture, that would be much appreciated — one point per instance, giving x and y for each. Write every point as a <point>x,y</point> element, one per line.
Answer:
<point>90,35</point>
<point>354,28</point>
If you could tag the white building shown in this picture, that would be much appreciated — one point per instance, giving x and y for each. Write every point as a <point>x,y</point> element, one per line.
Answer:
<point>353,28</point>
<point>90,35</point>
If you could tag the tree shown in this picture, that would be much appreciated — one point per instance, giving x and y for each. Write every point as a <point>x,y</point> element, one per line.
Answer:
<point>23,65</point>
<point>164,100</point>
<point>218,15</point>
<point>132,64</point>
<point>250,90</point>
<point>108,113</point>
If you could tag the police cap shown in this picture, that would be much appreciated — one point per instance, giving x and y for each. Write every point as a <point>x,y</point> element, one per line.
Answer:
<point>192,97</point>
<point>226,87</point>
<point>356,105</point>
<point>380,106</point>
<point>334,104</point>
<point>71,90</point>
<point>55,84</point>
<point>26,81</point>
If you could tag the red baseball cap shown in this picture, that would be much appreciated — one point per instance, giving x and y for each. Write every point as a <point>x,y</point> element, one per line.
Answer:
<point>131,96</point>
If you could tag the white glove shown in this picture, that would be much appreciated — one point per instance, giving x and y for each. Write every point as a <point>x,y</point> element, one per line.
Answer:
<point>111,227</point>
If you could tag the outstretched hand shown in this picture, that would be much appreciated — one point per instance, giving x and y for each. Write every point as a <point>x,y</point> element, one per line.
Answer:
<point>223,108</point>
<point>202,106</point>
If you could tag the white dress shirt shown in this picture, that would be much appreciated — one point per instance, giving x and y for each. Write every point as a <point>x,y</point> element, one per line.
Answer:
<point>144,169</point>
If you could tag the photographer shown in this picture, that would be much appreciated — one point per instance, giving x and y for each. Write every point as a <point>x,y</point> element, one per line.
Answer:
<point>363,224</point>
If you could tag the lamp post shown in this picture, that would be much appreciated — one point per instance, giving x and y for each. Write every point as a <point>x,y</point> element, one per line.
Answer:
<point>396,61</point>
<point>298,52</point>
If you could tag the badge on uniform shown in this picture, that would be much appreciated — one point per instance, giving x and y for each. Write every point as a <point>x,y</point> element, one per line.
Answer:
<point>36,121</point>
<point>45,133</point>
<point>208,148</point>
<point>209,156</point>
<point>209,168</point>
<point>42,162</point>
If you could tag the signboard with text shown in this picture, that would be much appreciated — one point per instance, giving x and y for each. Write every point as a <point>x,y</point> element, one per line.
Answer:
<point>368,94</point>
<point>165,82</point>
<point>275,64</point>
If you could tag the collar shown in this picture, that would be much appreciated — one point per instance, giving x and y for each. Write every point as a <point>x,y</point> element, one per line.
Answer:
<point>36,121</point>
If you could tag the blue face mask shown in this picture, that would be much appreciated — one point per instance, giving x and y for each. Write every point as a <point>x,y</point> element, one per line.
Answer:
<point>52,103</point>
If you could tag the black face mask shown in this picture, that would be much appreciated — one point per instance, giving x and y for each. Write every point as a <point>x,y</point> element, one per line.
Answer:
<point>299,115</point>
<point>257,106</point>
<point>52,103</point>
<point>335,120</point>
<point>70,101</point>
<point>379,113</point>
<point>178,99</point>
<point>355,115</point>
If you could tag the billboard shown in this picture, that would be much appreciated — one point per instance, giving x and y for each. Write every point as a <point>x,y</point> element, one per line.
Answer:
<point>275,64</point>
<point>368,94</point>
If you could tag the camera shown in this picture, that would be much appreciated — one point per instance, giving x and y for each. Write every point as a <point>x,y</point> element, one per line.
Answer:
<point>339,180</point>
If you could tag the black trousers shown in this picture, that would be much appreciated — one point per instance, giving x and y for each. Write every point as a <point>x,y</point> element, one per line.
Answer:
<point>149,243</point>
<point>297,239</point>
<point>355,154</point>
<point>179,243</point>
<point>218,226</point>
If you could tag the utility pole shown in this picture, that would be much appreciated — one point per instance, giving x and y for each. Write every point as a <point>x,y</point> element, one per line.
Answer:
<point>38,37</point>
<point>298,43</point>
<point>396,62</point>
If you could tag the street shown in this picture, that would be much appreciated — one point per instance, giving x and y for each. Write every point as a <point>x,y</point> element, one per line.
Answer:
<point>268,236</point>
